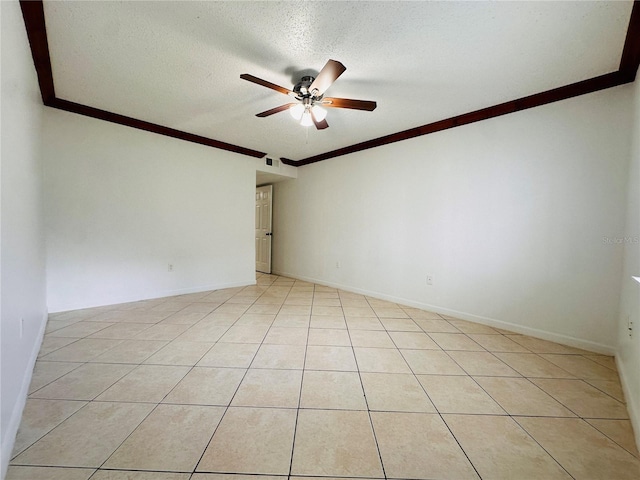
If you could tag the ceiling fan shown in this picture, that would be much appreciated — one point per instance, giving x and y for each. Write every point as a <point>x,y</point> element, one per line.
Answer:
<point>309,92</point>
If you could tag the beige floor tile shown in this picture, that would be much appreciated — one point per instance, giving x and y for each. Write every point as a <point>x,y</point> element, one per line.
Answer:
<point>499,448</point>
<point>48,473</point>
<point>458,394</point>
<point>121,331</point>
<point>419,446</point>
<point>354,301</point>
<point>497,343</point>
<point>295,310</point>
<point>589,454</point>
<point>230,355</point>
<point>268,309</point>
<point>269,388</point>
<point>222,476</point>
<point>605,360</point>
<point>332,390</point>
<point>400,325</point>
<point>393,392</point>
<point>329,336</point>
<point>532,365</point>
<point>620,431</point>
<point>232,308</point>
<point>518,396</point>
<point>251,440</point>
<point>435,326</point>
<point>472,327</point>
<point>328,321</point>
<point>80,329</point>
<point>431,362</point>
<point>361,311</point>
<point>40,417</point>
<point>482,363</point>
<point>82,350</point>
<point>582,367</point>
<point>172,437</point>
<point>206,386</point>
<point>582,398</point>
<point>184,318</point>
<point>537,345</point>
<point>170,306</point>
<point>46,372</point>
<point>301,300</point>
<point>363,323</point>
<point>371,338</point>
<point>455,341</point>
<point>205,331</point>
<point>221,319</point>
<point>291,321</point>
<point>51,344</point>
<point>279,356</point>
<point>133,475</point>
<point>84,383</point>
<point>87,438</point>
<point>130,351</point>
<point>162,331</point>
<point>380,360</point>
<point>327,302</point>
<point>179,352</point>
<point>147,383</point>
<point>131,316</point>
<point>323,438</point>
<point>255,319</point>
<point>413,340</point>
<point>330,358</point>
<point>612,388</point>
<point>199,307</point>
<point>391,312</point>
<point>324,310</point>
<point>245,334</point>
<point>286,336</point>
<point>418,314</point>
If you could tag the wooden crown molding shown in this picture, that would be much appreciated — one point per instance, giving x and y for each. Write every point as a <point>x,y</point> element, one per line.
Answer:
<point>33,14</point>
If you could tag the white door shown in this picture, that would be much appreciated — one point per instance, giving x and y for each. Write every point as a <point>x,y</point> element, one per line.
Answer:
<point>263,228</point>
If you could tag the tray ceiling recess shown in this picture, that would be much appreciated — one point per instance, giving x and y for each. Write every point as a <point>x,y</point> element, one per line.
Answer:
<point>174,67</point>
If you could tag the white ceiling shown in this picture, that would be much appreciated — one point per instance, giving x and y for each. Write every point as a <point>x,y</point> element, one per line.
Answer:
<point>178,63</point>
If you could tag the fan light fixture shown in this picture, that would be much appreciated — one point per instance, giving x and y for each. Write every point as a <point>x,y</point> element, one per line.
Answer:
<point>302,113</point>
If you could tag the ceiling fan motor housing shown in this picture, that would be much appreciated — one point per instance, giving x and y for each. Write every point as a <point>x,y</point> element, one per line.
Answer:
<point>302,88</point>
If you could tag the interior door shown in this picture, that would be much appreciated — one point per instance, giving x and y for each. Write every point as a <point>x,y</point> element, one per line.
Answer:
<point>264,197</point>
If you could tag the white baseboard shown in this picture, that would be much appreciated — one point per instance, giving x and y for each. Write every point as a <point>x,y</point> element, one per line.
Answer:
<point>533,332</point>
<point>632,402</point>
<point>16,415</point>
<point>150,296</point>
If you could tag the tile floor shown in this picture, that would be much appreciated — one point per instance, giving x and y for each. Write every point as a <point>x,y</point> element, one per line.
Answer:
<point>290,379</point>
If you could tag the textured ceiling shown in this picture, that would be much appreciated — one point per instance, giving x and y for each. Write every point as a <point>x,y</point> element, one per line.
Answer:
<point>177,63</point>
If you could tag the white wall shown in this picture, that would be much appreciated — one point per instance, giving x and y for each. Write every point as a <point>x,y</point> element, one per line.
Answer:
<point>508,215</point>
<point>122,204</point>
<point>22,239</point>
<point>628,355</point>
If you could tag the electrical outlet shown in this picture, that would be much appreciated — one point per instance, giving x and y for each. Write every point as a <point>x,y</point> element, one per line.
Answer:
<point>630,325</point>
<point>170,267</point>
<point>429,279</point>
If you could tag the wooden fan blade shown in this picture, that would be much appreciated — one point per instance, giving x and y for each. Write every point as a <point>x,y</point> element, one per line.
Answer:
<point>320,125</point>
<point>264,83</point>
<point>327,76</point>
<point>281,108</point>
<point>333,102</point>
